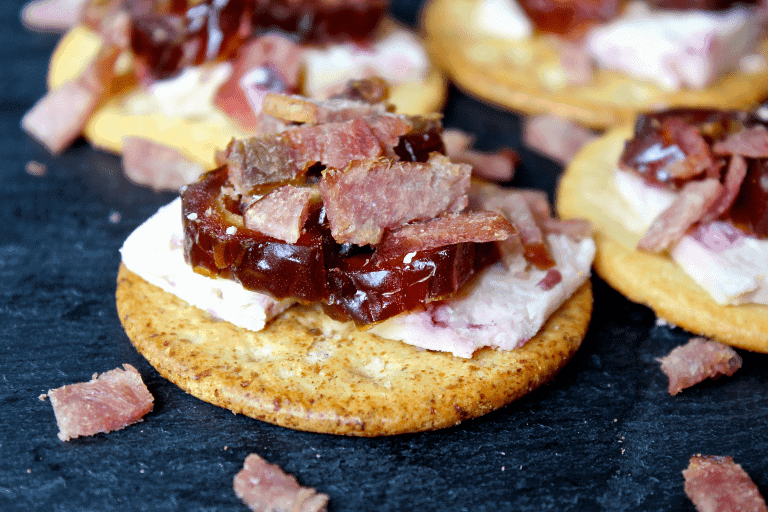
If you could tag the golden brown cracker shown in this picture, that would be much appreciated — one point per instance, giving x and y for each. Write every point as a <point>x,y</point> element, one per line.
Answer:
<point>308,372</point>
<point>121,114</point>
<point>527,75</point>
<point>587,190</point>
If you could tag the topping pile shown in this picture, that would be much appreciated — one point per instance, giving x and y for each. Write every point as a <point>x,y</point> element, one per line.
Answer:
<point>354,207</point>
<point>715,163</point>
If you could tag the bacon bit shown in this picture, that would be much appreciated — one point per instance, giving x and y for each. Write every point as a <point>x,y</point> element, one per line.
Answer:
<point>265,487</point>
<point>108,402</point>
<point>147,162</point>
<point>734,177</point>
<point>750,142</point>
<point>575,60</point>
<point>498,166</point>
<point>58,118</point>
<point>448,229</point>
<point>42,397</point>
<point>456,141</point>
<point>575,229</point>
<point>298,109</point>
<point>370,196</point>
<point>373,89</point>
<point>114,217</point>
<point>52,15</point>
<point>281,213</point>
<point>716,483</point>
<point>34,168</point>
<point>550,280</point>
<point>240,97</point>
<point>555,137</point>
<point>698,157</point>
<point>693,201</point>
<point>696,361</point>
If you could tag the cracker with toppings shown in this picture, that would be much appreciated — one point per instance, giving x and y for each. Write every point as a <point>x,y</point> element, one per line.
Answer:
<point>528,75</point>
<point>587,189</point>
<point>130,111</point>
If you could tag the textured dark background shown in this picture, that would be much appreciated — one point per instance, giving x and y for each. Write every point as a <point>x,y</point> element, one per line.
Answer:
<point>605,435</point>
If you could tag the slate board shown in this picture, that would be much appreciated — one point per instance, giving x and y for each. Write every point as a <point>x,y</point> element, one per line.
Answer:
<point>604,435</point>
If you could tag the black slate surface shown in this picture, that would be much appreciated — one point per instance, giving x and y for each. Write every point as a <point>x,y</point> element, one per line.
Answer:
<point>604,435</point>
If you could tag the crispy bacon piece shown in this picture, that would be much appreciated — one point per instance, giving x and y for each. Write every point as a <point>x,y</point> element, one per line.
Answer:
<point>264,487</point>
<point>555,137</point>
<point>370,196</point>
<point>715,483</point>
<point>281,213</point>
<point>58,118</point>
<point>54,15</point>
<point>576,229</point>
<point>108,402</point>
<point>698,157</point>
<point>299,109</point>
<point>268,64</point>
<point>373,89</point>
<point>734,177</point>
<point>447,229</point>
<point>498,166</point>
<point>550,280</point>
<point>284,156</point>
<point>147,162</point>
<point>696,361</point>
<point>749,142</point>
<point>690,205</point>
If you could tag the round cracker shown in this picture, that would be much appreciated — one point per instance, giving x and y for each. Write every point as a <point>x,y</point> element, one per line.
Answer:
<point>527,76</point>
<point>308,372</point>
<point>587,190</point>
<point>199,138</point>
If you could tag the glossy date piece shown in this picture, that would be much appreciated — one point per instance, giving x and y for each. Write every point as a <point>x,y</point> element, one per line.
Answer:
<point>217,243</point>
<point>570,18</point>
<point>425,138</point>
<point>177,33</point>
<point>750,210</point>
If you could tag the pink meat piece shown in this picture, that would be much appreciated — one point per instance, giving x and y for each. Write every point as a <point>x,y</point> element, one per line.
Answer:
<point>108,402</point>
<point>58,118</point>
<point>478,227</point>
<point>555,137</point>
<point>53,15</point>
<point>299,109</point>
<point>515,206</point>
<point>270,63</point>
<point>698,157</point>
<point>286,155</point>
<point>715,483</point>
<point>749,142</point>
<point>734,177</point>
<point>281,213</point>
<point>147,162</point>
<point>456,141</point>
<point>265,487</point>
<point>576,61</point>
<point>551,279</point>
<point>498,166</point>
<point>369,196</point>
<point>576,229</point>
<point>696,361</point>
<point>689,206</point>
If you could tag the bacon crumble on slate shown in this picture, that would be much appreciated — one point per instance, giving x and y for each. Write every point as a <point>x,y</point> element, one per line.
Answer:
<point>717,484</point>
<point>265,487</point>
<point>147,162</point>
<point>696,361</point>
<point>750,142</point>
<point>369,196</point>
<point>448,229</point>
<point>108,402</point>
<point>281,213</point>
<point>556,137</point>
<point>690,205</point>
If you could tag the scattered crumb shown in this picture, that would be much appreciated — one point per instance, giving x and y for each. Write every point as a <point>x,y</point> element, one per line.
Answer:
<point>615,420</point>
<point>141,470</point>
<point>226,447</point>
<point>502,453</point>
<point>318,455</point>
<point>43,397</point>
<point>114,217</point>
<point>502,468</point>
<point>35,168</point>
<point>29,470</point>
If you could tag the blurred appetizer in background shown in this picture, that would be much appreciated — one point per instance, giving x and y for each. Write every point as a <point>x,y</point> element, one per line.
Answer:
<point>600,63</point>
<point>192,74</point>
<point>680,209</point>
<point>346,276</point>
